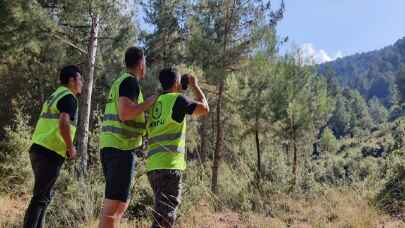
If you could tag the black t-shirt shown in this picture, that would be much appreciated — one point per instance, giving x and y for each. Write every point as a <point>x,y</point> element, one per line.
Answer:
<point>129,87</point>
<point>68,104</point>
<point>183,106</point>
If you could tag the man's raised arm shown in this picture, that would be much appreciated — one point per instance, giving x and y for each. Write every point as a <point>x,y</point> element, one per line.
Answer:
<point>202,107</point>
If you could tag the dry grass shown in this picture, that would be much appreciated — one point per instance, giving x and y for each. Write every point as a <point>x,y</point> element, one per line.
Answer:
<point>331,209</point>
<point>11,211</point>
<point>202,216</point>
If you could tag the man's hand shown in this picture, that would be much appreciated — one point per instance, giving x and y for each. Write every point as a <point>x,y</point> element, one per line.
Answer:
<point>150,100</point>
<point>71,152</point>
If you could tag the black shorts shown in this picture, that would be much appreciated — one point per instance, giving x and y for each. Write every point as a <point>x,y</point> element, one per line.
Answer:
<point>119,169</point>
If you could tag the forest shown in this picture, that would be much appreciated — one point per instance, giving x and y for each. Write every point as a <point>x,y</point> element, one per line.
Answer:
<point>286,144</point>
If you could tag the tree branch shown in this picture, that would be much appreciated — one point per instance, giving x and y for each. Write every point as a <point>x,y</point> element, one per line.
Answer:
<point>69,43</point>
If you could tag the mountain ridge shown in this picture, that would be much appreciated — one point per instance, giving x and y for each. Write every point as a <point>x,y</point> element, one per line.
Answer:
<point>372,73</point>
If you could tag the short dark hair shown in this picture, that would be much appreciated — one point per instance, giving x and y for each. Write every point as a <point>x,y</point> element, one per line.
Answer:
<point>168,77</point>
<point>133,57</point>
<point>67,72</point>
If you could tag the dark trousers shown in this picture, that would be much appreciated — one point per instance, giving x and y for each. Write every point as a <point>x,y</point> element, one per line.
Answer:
<point>166,185</point>
<point>46,166</point>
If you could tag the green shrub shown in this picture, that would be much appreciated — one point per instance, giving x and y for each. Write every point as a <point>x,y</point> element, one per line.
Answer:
<point>328,141</point>
<point>141,196</point>
<point>15,168</point>
<point>391,197</point>
<point>196,185</point>
<point>332,170</point>
<point>276,172</point>
<point>75,202</point>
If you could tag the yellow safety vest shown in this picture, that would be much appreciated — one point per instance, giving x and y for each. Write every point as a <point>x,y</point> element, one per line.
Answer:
<point>123,135</point>
<point>166,137</point>
<point>47,133</point>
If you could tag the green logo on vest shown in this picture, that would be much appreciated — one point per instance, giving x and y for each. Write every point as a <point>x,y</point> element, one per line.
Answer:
<point>157,110</point>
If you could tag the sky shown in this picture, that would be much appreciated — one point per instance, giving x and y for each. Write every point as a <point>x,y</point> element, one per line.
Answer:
<point>328,29</point>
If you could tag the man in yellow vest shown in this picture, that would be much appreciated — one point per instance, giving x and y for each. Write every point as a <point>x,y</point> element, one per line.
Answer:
<point>167,143</point>
<point>53,143</point>
<point>121,135</point>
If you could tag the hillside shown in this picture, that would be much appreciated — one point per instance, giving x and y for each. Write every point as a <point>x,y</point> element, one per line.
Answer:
<point>267,141</point>
<point>372,73</point>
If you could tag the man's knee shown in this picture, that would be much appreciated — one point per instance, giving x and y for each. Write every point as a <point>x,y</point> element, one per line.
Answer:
<point>114,209</point>
<point>164,214</point>
<point>41,200</point>
<point>168,201</point>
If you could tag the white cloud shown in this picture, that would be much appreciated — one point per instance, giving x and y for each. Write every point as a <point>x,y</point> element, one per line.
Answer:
<point>310,55</point>
<point>339,54</point>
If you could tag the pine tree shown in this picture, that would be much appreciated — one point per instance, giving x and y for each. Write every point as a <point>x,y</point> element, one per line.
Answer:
<point>378,112</point>
<point>253,104</point>
<point>360,120</point>
<point>400,81</point>
<point>165,45</point>
<point>300,107</point>
<point>223,34</point>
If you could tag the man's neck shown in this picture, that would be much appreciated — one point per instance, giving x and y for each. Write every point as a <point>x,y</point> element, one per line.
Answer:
<point>134,74</point>
<point>71,90</point>
<point>171,90</point>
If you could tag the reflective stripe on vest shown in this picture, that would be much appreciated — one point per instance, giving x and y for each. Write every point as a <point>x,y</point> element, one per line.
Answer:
<point>56,97</point>
<point>48,115</point>
<point>130,123</point>
<point>121,131</point>
<point>167,148</point>
<point>47,133</point>
<point>54,116</point>
<point>166,137</point>
<point>123,135</point>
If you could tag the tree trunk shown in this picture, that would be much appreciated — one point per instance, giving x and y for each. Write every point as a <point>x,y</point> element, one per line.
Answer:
<point>294,141</point>
<point>220,124</point>
<point>295,160</point>
<point>203,138</point>
<point>402,142</point>
<point>219,140</point>
<point>214,133</point>
<point>85,99</point>
<point>259,156</point>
